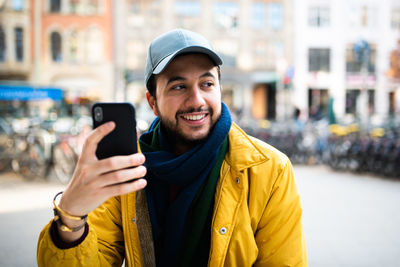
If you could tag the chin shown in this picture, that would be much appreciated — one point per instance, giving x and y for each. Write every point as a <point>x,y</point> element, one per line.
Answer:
<point>198,135</point>
<point>195,137</point>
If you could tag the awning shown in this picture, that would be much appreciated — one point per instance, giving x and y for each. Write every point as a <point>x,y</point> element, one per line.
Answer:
<point>26,92</point>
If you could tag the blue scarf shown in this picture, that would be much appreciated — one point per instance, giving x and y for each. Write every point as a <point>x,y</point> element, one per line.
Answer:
<point>187,171</point>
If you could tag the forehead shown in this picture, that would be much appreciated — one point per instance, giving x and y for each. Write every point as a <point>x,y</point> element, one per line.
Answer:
<point>188,63</point>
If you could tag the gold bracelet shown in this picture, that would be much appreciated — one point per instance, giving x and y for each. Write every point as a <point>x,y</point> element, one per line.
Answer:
<point>65,228</point>
<point>59,211</point>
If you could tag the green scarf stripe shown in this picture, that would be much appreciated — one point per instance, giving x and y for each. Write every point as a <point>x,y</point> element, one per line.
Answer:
<point>154,144</point>
<point>197,235</point>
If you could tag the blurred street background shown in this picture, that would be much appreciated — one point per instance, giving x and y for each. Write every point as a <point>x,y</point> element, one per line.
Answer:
<point>318,79</point>
<point>349,220</point>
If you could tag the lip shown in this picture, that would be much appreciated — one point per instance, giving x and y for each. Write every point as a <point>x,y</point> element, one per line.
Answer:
<point>196,118</point>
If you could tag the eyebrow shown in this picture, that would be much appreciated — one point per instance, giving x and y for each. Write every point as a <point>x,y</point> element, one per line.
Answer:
<point>207,74</point>
<point>176,78</point>
<point>180,78</point>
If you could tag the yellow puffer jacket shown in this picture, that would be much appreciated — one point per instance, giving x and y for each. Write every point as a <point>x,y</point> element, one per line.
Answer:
<point>256,221</point>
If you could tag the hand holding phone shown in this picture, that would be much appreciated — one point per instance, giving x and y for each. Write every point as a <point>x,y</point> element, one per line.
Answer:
<point>108,166</point>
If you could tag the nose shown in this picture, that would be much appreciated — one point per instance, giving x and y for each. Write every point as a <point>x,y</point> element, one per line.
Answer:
<point>195,97</point>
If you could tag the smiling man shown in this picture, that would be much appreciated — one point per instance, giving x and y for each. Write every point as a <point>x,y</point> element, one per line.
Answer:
<point>187,99</point>
<point>204,192</point>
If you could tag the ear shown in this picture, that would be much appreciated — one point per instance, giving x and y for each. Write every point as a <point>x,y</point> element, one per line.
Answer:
<point>152,102</point>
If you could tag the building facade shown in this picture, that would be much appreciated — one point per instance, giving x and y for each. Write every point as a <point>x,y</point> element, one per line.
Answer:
<point>15,29</point>
<point>254,39</point>
<point>72,46</point>
<point>56,44</point>
<point>342,52</point>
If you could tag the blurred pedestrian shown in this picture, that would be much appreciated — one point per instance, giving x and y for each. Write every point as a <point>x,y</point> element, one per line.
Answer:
<point>299,123</point>
<point>204,192</point>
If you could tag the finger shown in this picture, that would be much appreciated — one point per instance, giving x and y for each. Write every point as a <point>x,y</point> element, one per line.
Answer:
<point>118,163</point>
<point>125,188</point>
<point>90,145</point>
<point>120,176</point>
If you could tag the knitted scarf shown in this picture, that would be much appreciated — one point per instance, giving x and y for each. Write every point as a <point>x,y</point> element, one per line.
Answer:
<point>187,171</point>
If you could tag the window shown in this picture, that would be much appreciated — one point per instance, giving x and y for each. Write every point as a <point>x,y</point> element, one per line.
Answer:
<point>56,47</point>
<point>275,16</point>
<point>226,14</point>
<point>362,15</point>
<point>352,99</point>
<point>319,16</point>
<point>2,45</point>
<point>319,59</point>
<point>318,103</point>
<point>395,20</point>
<point>55,6</point>
<point>94,45</point>
<point>360,55</point>
<point>18,5</point>
<point>73,47</point>
<point>258,15</point>
<point>19,44</point>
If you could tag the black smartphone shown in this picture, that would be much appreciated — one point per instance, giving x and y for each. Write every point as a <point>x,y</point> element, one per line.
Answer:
<point>123,139</point>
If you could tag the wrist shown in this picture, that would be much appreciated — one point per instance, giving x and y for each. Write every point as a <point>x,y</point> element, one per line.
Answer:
<point>66,224</point>
<point>69,230</point>
<point>70,227</point>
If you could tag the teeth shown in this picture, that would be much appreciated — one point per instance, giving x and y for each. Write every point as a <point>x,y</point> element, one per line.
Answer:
<point>194,117</point>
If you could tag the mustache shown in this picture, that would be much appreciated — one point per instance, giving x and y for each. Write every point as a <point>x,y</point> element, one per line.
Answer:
<point>179,112</point>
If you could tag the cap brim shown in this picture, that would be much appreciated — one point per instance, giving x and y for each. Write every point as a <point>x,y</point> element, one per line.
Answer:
<point>193,49</point>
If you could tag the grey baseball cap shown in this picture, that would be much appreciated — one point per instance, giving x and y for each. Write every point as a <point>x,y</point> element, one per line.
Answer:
<point>166,47</point>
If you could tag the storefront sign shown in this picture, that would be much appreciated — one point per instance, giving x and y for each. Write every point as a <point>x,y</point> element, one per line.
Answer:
<point>26,92</point>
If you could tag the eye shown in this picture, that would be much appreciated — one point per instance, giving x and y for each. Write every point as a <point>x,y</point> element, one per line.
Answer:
<point>207,84</point>
<point>178,87</point>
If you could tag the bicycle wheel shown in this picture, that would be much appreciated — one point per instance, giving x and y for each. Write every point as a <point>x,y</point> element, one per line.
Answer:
<point>32,163</point>
<point>64,159</point>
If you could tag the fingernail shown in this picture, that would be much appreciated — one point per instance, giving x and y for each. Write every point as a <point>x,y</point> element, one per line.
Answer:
<point>110,124</point>
<point>142,182</point>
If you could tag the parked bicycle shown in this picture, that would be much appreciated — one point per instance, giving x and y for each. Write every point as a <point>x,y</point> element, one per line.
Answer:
<point>39,150</point>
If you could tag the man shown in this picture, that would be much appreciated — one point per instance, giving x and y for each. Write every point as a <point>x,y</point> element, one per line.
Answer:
<point>212,195</point>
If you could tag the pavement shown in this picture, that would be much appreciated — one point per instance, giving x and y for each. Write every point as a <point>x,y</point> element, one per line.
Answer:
<point>25,207</point>
<point>349,220</point>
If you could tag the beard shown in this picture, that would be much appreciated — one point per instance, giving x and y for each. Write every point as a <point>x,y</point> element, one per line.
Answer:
<point>175,134</point>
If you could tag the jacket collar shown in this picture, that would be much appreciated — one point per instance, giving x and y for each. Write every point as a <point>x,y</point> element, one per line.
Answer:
<point>244,151</point>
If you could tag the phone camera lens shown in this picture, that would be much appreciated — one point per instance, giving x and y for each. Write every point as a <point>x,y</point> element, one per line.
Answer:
<point>98,114</point>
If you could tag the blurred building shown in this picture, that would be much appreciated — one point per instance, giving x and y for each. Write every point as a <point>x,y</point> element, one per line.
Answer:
<point>393,75</point>
<point>15,29</point>
<point>254,39</point>
<point>342,51</point>
<point>62,44</point>
<point>72,46</point>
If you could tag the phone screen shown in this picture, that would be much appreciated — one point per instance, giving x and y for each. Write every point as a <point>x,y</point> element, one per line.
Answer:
<point>123,139</point>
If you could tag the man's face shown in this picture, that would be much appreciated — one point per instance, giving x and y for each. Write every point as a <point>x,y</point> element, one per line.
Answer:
<point>188,100</point>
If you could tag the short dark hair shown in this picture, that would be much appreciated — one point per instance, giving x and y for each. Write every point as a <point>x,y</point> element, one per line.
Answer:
<point>152,85</point>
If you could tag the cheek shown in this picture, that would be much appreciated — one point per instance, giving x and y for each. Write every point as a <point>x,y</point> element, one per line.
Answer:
<point>216,103</point>
<point>168,107</point>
